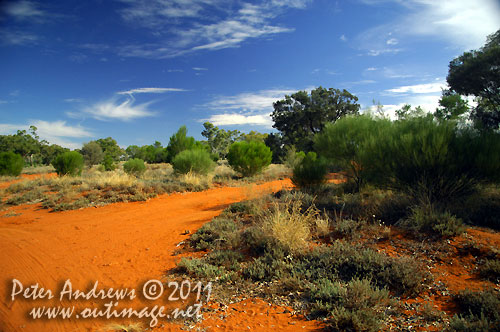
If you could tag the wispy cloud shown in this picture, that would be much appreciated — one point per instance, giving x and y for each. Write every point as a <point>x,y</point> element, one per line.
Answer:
<point>196,25</point>
<point>420,88</point>
<point>23,10</point>
<point>343,38</point>
<point>199,69</point>
<point>250,101</point>
<point>463,23</point>
<point>57,132</point>
<point>150,90</point>
<point>114,109</point>
<point>15,37</point>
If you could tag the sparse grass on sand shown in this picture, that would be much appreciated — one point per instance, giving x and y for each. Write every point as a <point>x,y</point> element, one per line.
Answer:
<point>342,258</point>
<point>95,187</point>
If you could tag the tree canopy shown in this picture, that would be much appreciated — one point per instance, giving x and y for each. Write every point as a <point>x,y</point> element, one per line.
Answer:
<point>301,115</point>
<point>477,73</point>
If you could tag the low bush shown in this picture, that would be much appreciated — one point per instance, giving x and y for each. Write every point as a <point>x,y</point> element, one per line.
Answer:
<point>195,160</point>
<point>68,163</point>
<point>490,269</point>
<point>428,220</point>
<point>134,166</point>
<point>310,171</point>
<point>11,163</point>
<point>249,158</point>
<point>108,163</point>
<point>480,311</point>
<point>218,233</point>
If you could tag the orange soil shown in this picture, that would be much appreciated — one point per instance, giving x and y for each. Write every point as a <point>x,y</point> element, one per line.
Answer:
<point>456,272</point>
<point>121,246</point>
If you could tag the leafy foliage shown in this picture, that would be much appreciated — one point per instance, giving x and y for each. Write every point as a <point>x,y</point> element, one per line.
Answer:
<point>108,163</point>
<point>180,142</point>
<point>343,142</point>
<point>310,171</point>
<point>11,163</point>
<point>68,163</point>
<point>476,73</point>
<point>219,140</point>
<point>110,147</point>
<point>430,161</point>
<point>249,158</point>
<point>134,166</point>
<point>300,116</point>
<point>196,160</point>
<point>92,153</point>
<point>155,153</point>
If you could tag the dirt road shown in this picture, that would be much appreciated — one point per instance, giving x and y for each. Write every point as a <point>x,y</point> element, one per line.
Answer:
<point>120,245</point>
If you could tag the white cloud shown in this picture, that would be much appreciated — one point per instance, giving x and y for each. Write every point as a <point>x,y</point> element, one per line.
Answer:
<point>56,132</point>
<point>113,109</point>
<point>343,38</point>
<point>241,119</point>
<point>463,23</point>
<point>199,69</point>
<point>251,101</point>
<point>150,90</point>
<point>420,88</point>
<point>192,25</point>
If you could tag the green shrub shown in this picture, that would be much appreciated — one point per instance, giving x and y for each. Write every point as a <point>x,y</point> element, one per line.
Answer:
<point>481,310</point>
<point>433,162</point>
<point>215,234</point>
<point>196,160</point>
<point>11,163</point>
<point>249,158</point>
<point>427,219</point>
<point>179,142</point>
<point>108,163</point>
<point>344,141</point>
<point>134,166</point>
<point>68,163</point>
<point>310,171</point>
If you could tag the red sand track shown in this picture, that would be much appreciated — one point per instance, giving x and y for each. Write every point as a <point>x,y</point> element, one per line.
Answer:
<point>119,245</point>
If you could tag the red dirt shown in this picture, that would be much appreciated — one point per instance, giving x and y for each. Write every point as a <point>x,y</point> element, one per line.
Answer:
<point>119,245</point>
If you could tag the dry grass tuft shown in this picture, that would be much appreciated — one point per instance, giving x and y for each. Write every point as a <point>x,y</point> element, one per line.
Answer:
<point>194,179</point>
<point>289,225</point>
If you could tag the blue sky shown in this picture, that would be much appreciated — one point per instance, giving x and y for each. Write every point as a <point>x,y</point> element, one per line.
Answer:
<point>137,70</point>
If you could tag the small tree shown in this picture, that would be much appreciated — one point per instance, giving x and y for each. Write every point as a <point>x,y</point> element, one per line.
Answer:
<point>11,163</point>
<point>92,153</point>
<point>68,163</point>
<point>180,142</point>
<point>196,160</point>
<point>134,166</point>
<point>249,158</point>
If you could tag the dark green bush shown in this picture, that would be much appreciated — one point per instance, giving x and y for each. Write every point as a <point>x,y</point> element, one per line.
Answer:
<point>343,143</point>
<point>195,160</point>
<point>490,269</point>
<point>68,163</point>
<point>249,158</point>
<point>11,163</point>
<point>310,171</point>
<point>433,162</point>
<point>134,166</point>
<point>108,163</point>
<point>481,310</point>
